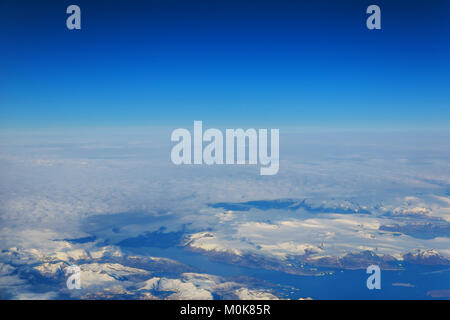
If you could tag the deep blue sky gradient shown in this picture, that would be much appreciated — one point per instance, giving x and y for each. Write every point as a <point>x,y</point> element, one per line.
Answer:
<point>274,63</point>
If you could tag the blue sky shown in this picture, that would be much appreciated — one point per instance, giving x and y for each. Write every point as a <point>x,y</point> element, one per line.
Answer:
<point>274,63</point>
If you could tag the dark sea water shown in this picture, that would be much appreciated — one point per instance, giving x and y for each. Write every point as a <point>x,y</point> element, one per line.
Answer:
<point>414,282</point>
